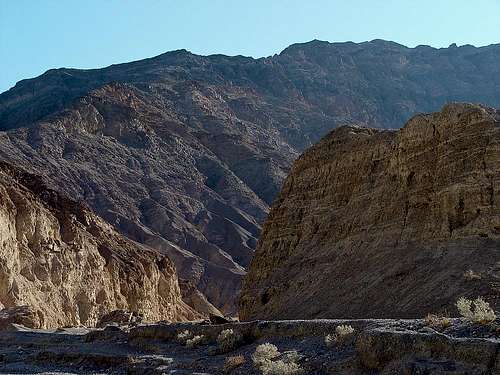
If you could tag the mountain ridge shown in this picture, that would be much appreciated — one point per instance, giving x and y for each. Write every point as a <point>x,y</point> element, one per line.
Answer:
<point>186,153</point>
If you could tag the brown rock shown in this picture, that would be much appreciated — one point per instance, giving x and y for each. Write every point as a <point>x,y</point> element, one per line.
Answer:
<point>194,298</point>
<point>23,315</point>
<point>373,223</point>
<point>120,317</point>
<point>70,266</point>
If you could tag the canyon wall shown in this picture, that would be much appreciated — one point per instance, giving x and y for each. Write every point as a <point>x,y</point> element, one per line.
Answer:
<point>69,266</point>
<point>378,223</point>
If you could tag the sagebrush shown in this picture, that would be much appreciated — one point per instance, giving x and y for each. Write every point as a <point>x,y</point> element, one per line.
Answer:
<point>195,341</point>
<point>264,356</point>
<point>342,334</point>
<point>436,321</point>
<point>280,367</point>
<point>265,352</point>
<point>183,336</point>
<point>477,311</point>
<point>230,363</point>
<point>229,340</point>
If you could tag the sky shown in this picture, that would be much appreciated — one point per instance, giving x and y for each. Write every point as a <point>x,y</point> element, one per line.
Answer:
<point>37,35</point>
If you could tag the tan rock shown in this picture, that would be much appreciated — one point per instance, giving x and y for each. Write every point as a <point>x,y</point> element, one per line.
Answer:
<point>70,266</point>
<point>374,223</point>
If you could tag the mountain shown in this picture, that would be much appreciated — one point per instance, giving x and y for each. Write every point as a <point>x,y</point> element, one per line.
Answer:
<point>185,153</point>
<point>69,266</point>
<point>380,223</point>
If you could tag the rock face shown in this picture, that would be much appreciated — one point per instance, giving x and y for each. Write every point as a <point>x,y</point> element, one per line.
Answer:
<point>378,223</point>
<point>21,315</point>
<point>142,171</point>
<point>69,266</point>
<point>185,153</point>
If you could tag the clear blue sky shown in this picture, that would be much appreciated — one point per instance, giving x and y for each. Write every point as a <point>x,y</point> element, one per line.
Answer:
<point>38,35</point>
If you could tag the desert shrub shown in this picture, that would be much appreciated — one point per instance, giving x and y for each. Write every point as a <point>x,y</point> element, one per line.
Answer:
<point>436,321</point>
<point>342,334</point>
<point>263,360</point>
<point>231,363</point>
<point>183,336</point>
<point>471,275</point>
<point>292,356</point>
<point>280,367</point>
<point>228,340</point>
<point>477,311</point>
<point>195,341</point>
<point>330,339</point>
<point>344,330</point>
<point>264,352</point>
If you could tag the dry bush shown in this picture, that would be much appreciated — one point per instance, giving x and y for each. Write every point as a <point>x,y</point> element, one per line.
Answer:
<point>183,336</point>
<point>264,352</point>
<point>233,362</point>
<point>471,275</point>
<point>292,356</point>
<point>342,334</point>
<point>280,367</point>
<point>330,339</point>
<point>344,330</point>
<point>263,360</point>
<point>195,341</point>
<point>436,321</point>
<point>477,311</point>
<point>229,340</point>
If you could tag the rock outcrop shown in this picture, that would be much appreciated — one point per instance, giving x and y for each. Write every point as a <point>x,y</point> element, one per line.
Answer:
<point>379,223</point>
<point>185,153</point>
<point>69,266</point>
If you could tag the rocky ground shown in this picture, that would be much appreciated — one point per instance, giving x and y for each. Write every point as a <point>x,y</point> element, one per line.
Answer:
<point>375,347</point>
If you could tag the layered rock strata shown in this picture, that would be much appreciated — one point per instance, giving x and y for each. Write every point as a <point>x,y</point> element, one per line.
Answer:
<point>379,223</point>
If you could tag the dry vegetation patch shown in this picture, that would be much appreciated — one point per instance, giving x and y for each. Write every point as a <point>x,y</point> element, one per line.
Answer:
<point>343,334</point>
<point>230,363</point>
<point>437,322</point>
<point>265,360</point>
<point>477,311</point>
<point>229,340</point>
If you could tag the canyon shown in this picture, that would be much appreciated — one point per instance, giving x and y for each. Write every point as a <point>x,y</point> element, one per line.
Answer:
<point>184,154</point>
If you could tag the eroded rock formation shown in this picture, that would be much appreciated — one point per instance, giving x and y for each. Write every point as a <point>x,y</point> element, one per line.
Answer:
<point>379,223</point>
<point>185,153</point>
<point>69,266</point>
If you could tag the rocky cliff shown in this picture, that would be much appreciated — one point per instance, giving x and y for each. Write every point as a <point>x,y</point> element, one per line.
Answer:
<point>379,223</point>
<point>185,153</point>
<point>71,267</point>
